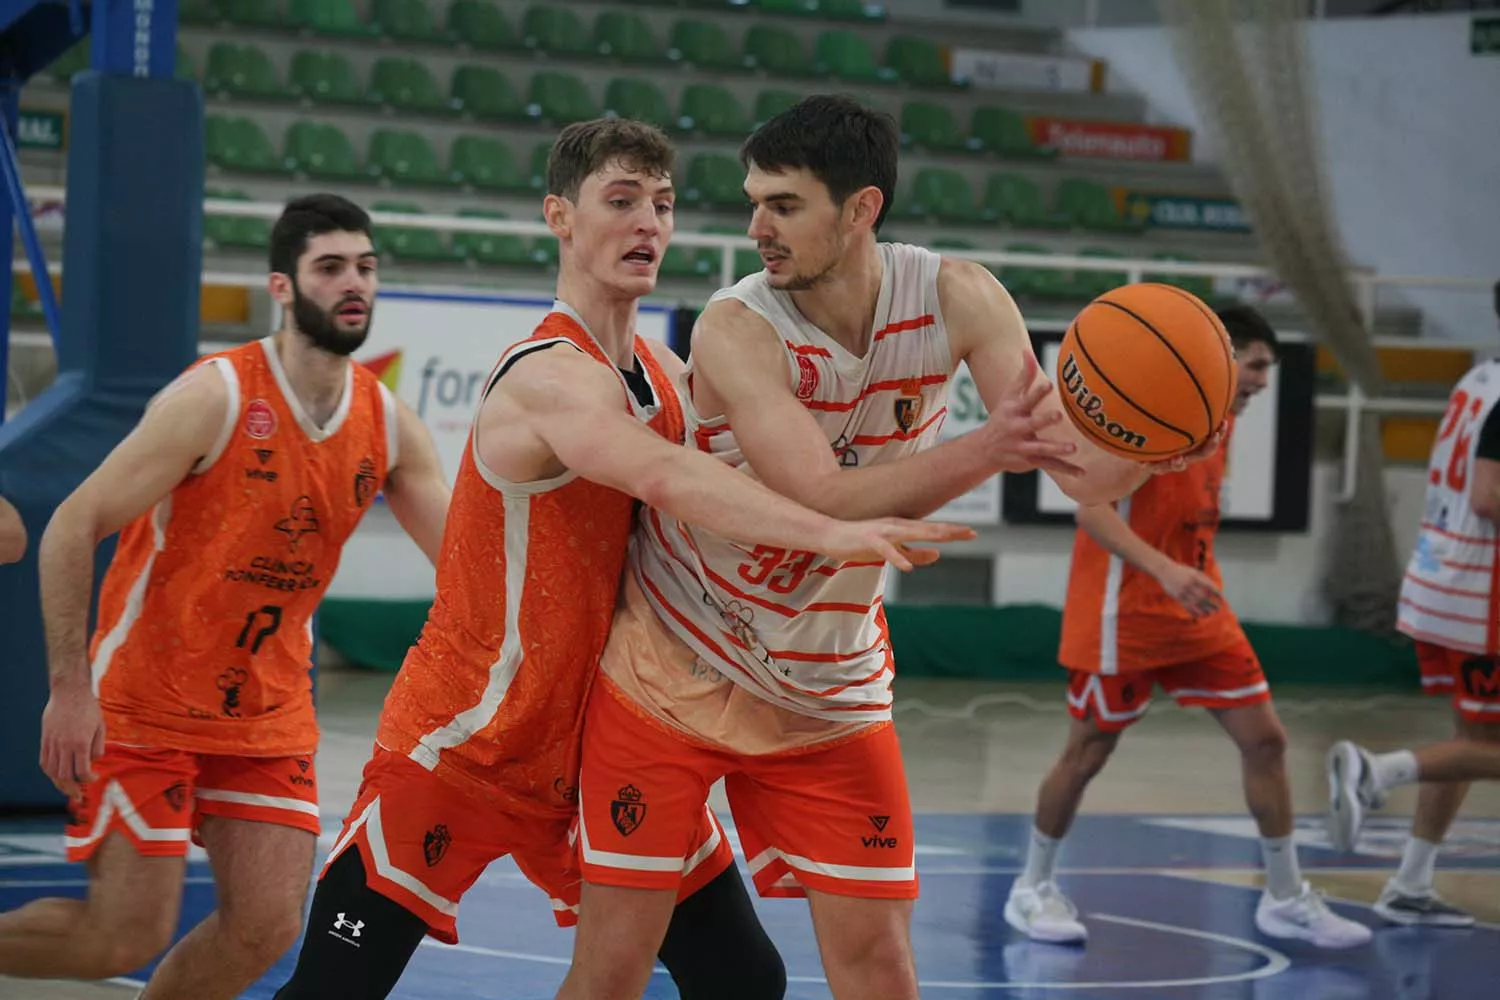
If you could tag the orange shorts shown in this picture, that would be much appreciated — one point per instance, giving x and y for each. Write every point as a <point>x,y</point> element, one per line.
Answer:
<point>1231,678</point>
<point>833,817</point>
<point>1473,681</point>
<point>425,841</point>
<point>157,798</point>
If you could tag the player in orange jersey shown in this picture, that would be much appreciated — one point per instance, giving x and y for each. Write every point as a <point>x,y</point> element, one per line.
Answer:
<point>825,377</point>
<point>12,534</point>
<point>1144,607</point>
<point>478,745</point>
<point>190,715</point>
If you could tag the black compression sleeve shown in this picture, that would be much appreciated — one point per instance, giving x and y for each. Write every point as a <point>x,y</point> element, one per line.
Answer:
<point>716,948</point>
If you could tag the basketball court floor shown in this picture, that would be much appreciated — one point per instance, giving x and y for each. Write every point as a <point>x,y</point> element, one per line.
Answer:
<point>1163,864</point>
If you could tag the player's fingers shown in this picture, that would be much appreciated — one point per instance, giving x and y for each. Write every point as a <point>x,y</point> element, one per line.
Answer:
<point>933,531</point>
<point>923,557</point>
<point>894,556</point>
<point>96,750</point>
<point>1040,421</point>
<point>1049,449</point>
<point>1061,468</point>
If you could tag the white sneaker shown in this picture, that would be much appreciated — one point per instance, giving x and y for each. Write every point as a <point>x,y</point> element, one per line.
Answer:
<point>1401,906</point>
<point>1351,793</point>
<point>1306,917</point>
<point>1043,913</point>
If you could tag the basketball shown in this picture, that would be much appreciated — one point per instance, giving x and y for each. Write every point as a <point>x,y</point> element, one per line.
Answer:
<point>1147,372</point>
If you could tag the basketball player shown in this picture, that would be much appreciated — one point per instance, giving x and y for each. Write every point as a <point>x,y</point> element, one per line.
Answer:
<point>478,745</point>
<point>1450,606</point>
<point>12,534</point>
<point>190,714</point>
<point>769,665</point>
<point>1144,607</point>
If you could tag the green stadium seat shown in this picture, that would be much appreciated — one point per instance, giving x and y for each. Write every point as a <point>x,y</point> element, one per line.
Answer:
<point>711,109</point>
<point>501,249</point>
<point>406,21</point>
<point>325,78</point>
<point>625,36</point>
<point>1044,282</point>
<point>235,232</point>
<point>411,242</point>
<point>788,8</point>
<point>1018,201</point>
<point>538,169</point>
<point>333,18</point>
<point>321,150</point>
<point>405,157</point>
<point>716,180</point>
<point>560,98</point>
<point>74,60</point>
<point>949,243</point>
<point>485,163</point>
<point>851,10</point>
<point>1200,285</point>
<point>770,103</point>
<point>702,44</point>
<point>746,261</point>
<point>556,30</point>
<point>1091,284</point>
<point>1091,206</point>
<point>918,62</point>
<point>487,94</point>
<point>777,50</point>
<point>198,12</point>
<point>845,56</point>
<point>688,262</point>
<point>482,26</point>
<point>242,71</point>
<point>942,194</point>
<point>638,98</point>
<point>235,143</point>
<point>407,85</point>
<point>931,126</point>
<point>184,65</point>
<point>1003,131</point>
<point>251,13</point>
<point>545,252</point>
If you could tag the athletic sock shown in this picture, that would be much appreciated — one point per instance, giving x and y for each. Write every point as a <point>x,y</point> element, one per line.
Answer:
<point>1387,770</point>
<point>1417,862</point>
<point>1283,874</point>
<point>1041,858</point>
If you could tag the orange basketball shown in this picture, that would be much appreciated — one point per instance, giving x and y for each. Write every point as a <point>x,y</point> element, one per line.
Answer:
<point>1147,372</point>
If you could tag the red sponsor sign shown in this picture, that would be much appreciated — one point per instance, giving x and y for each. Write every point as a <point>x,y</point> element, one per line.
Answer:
<point>1111,140</point>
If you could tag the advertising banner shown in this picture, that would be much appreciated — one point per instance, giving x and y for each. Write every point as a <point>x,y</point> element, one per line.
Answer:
<point>1112,140</point>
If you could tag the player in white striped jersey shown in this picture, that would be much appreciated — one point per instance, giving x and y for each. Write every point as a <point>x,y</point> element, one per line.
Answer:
<point>825,377</point>
<point>1450,605</point>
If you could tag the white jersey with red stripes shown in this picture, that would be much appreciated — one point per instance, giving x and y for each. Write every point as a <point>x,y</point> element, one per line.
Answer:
<point>796,628</point>
<point>1451,594</point>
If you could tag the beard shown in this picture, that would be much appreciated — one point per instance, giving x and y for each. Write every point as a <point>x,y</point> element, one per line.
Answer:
<point>799,281</point>
<point>321,326</point>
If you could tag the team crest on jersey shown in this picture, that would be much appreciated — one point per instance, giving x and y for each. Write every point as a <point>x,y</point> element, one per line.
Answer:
<point>908,405</point>
<point>628,811</point>
<point>807,378</point>
<point>435,844</point>
<point>260,419</point>
<point>303,520</point>
<point>364,482</point>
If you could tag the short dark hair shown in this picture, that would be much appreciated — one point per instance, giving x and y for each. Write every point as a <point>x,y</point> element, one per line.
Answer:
<point>839,141</point>
<point>309,216</point>
<point>1246,325</point>
<point>586,147</point>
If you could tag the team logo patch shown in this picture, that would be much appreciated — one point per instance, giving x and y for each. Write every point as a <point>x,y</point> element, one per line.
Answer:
<point>908,407</point>
<point>230,682</point>
<point>260,419</point>
<point>364,482</point>
<point>435,844</point>
<point>303,520</point>
<point>628,811</point>
<point>807,378</point>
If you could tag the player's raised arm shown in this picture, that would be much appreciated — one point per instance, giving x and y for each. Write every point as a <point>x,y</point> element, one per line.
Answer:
<point>557,410</point>
<point>181,427</point>
<point>12,534</point>
<point>415,488</point>
<point>740,361</point>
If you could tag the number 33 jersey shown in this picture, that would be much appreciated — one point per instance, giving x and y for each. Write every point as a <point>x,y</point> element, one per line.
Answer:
<point>204,636</point>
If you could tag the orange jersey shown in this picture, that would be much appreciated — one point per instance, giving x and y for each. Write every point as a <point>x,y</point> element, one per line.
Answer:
<point>1118,619</point>
<point>204,635</point>
<point>492,695</point>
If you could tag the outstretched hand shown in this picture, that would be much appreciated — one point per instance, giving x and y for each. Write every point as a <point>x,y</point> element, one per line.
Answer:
<point>1015,426</point>
<point>889,540</point>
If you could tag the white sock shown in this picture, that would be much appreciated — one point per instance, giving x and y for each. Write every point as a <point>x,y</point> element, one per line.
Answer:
<point>1283,874</point>
<point>1417,863</point>
<point>1391,769</point>
<point>1041,858</point>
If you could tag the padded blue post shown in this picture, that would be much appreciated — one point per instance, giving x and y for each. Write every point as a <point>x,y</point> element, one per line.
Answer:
<point>132,264</point>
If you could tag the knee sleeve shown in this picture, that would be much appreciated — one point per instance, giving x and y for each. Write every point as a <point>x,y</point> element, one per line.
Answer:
<point>357,942</point>
<point>716,948</point>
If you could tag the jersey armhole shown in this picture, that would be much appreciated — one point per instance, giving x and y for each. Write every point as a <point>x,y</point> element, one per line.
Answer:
<point>231,414</point>
<point>1488,446</point>
<point>392,429</point>
<point>491,478</point>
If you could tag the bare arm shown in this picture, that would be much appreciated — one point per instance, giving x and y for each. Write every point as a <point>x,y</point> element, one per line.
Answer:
<point>179,427</point>
<point>740,368</point>
<point>1188,586</point>
<point>415,489</point>
<point>12,534</point>
<point>557,410</point>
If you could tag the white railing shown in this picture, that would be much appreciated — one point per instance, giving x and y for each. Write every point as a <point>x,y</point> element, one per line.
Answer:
<point>1367,284</point>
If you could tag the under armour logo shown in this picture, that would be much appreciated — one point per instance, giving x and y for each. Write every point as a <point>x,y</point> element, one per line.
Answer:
<point>352,926</point>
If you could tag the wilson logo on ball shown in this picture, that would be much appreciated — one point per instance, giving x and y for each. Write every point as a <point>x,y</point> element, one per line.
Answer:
<point>1091,407</point>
